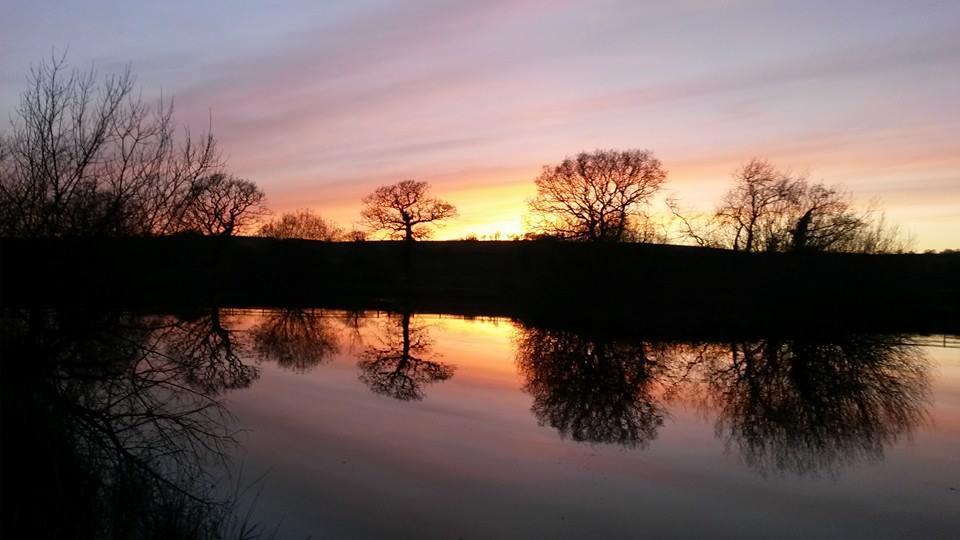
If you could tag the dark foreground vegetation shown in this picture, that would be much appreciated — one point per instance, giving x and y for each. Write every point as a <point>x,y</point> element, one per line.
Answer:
<point>108,435</point>
<point>654,287</point>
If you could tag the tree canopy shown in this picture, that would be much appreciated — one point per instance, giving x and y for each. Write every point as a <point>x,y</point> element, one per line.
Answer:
<point>302,224</point>
<point>224,206</point>
<point>768,209</point>
<point>404,210</point>
<point>595,196</point>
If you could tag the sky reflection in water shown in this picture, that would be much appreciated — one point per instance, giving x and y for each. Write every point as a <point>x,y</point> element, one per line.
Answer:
<point>374,424</point>
<point>439,426</point>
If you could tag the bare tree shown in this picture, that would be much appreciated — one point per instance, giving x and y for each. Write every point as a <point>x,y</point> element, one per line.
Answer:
<point>87,156</point>
<point>596,196</point>
<point>697,227</point>
<point>877,235</point>
<point>768,209</point>
<point>224,205</point>
<point>404,210</point>
<point>823,219</point>
<point>302,224</point>
<point>752,215</point>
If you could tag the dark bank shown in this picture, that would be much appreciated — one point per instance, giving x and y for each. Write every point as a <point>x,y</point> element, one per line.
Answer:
<point>652,288</point>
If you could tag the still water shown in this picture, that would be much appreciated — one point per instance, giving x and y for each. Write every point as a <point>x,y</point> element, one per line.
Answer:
<point>412,425</point>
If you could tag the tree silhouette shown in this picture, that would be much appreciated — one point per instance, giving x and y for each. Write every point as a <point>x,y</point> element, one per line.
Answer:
<point>91,158</point>
<point>302,224</point>
<point>596,196</point>
<point>295,339</point>
<point>754,214</point>
<point>404,210</point>
<point>224,206</point>
<point>768,209</point>
<point>398,366</point>
<point>589,388</point>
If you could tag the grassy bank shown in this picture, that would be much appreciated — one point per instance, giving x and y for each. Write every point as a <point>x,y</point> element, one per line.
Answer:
<point>631,284</point>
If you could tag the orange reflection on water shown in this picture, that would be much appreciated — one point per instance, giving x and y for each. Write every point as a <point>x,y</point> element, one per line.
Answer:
<point>497,412</point>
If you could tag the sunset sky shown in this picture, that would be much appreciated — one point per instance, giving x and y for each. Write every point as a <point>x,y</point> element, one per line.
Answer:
<point>320,102</point>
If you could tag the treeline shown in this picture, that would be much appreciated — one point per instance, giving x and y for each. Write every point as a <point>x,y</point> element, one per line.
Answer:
<point>89,158</point>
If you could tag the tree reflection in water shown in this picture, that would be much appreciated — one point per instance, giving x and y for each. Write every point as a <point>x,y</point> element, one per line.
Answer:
<point>107,431</point>
<point>208,352</point>
<point>803,406</point>
<point>398,366</point>
<point>591,389</point>
<point>112,417</point>
<point>811,406</point>
<point>296,339</point>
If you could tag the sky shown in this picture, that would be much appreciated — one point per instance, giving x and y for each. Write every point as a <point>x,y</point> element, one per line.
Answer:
<point>321,102</point>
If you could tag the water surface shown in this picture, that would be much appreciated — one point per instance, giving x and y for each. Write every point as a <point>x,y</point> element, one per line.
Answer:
<point>412,425</point>
<point>496,429</point>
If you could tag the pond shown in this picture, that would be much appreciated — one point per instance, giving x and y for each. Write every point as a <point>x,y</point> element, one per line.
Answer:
<point>326,423</point>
